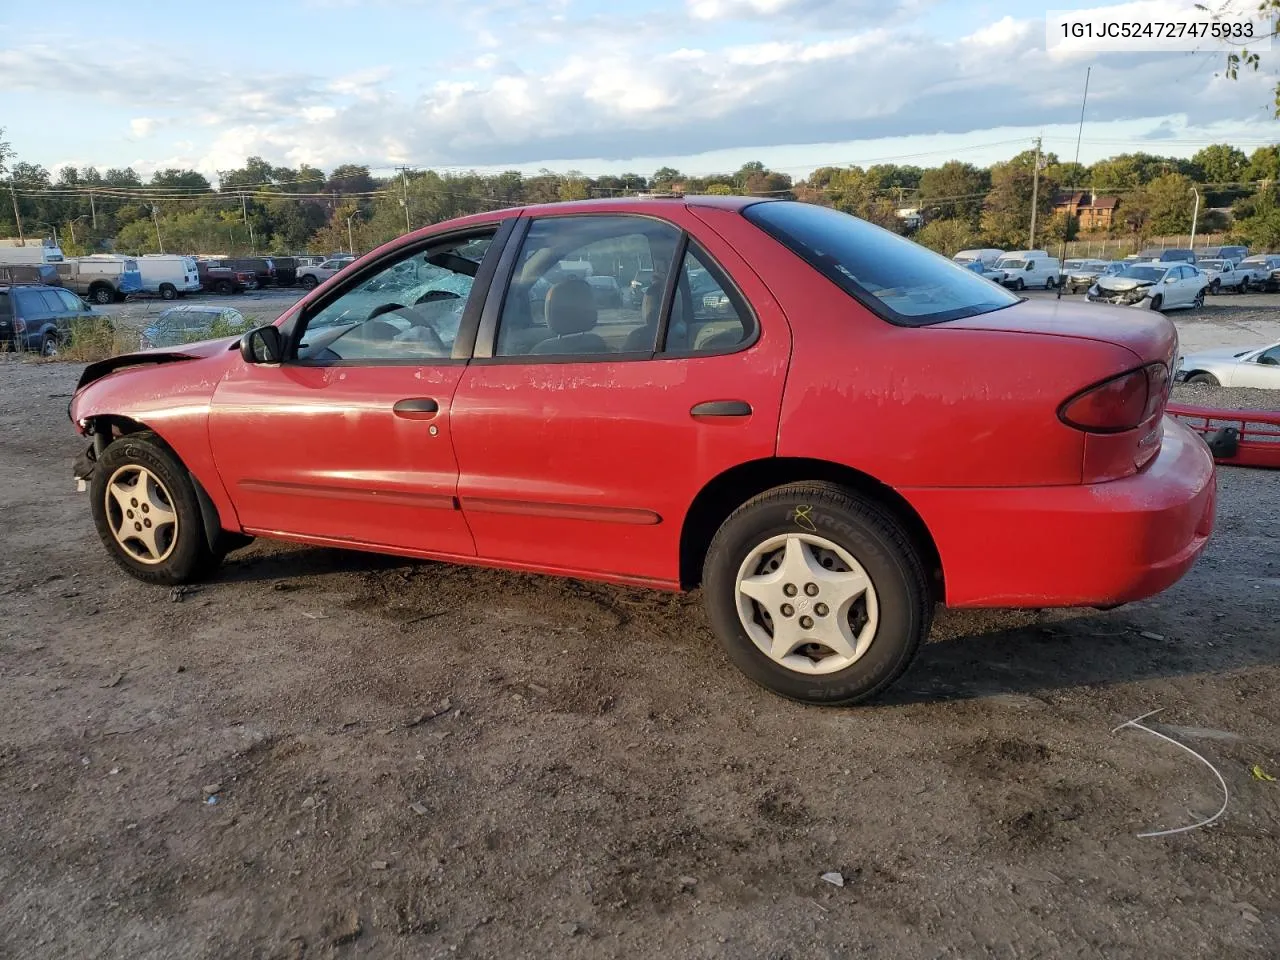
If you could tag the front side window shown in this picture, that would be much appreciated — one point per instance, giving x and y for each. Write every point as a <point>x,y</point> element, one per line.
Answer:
<point>566,295</point>
<point>1270,357</point>
<point>708,315</point>
<point>895,278</point>
<point>409,310</point>
<point>70,302</point>
<point>52,303</point>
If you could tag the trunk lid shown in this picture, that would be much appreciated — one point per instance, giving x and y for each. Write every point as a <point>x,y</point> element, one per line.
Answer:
<point>1148,335</point>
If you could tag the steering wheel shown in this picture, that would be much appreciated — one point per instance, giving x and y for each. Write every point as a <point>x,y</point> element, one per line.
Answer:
<point>384,308</point>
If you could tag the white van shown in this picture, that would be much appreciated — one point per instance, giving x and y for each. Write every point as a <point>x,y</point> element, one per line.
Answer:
<point>168,275</point>
<point>987,256</point>
<point>14,251</point>
<point>1021,269</point>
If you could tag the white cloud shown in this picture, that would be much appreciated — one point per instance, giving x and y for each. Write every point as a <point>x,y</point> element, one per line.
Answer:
<point>142,127</point>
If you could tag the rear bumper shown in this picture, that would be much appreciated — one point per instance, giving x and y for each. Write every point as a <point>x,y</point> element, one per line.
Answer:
<point>1091,545</point>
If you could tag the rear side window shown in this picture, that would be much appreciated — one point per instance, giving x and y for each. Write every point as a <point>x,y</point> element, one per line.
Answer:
<point>898,280</point>
<point>708,315</point>
<point>51,302</point>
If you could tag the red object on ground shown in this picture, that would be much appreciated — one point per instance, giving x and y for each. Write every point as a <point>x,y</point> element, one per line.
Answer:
<point>1257,433</point>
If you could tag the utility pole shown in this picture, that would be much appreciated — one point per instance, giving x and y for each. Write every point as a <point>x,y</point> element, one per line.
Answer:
<point>1035,195</point>
<point>16,215</point>
<point>404,182</point>
<point>1195,215</point>
<point>155,218</point>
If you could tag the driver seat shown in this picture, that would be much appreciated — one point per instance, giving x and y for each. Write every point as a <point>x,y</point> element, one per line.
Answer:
<point>571,315</point>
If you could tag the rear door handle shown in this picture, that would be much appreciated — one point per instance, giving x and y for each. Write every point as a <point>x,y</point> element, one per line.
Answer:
<point>721,408</point>
<point>416,408</point>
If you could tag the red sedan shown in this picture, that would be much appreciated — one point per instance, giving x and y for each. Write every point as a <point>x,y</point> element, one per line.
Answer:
<point>826,427</point>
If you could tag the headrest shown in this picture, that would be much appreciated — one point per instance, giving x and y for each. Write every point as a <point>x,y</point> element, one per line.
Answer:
<point>570,307</point>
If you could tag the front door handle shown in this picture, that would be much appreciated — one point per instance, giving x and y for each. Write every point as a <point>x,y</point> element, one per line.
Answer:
<point>721,408</point>
<point>416,408</point>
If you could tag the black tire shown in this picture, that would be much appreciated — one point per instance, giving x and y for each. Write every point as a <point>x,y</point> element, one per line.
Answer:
<point>168,291</point>
<point>102,295</point>
<point>1157,302</point>
<point>49,345</point>
<point>1208,379</point>
<point>224,287</point>
<point>871,536</point>
<point>189,557</point>
<point>1198,302</point>
<point>1050,283</point>
<point>1244,285</point>
<point>309,282</point>
<point>1019,284</point>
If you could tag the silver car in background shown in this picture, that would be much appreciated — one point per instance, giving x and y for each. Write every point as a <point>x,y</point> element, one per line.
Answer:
<point>1232,367</point>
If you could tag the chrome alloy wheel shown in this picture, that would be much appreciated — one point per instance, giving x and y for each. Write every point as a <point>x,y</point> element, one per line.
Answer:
<point>141,514</point>
<point>806,603</point>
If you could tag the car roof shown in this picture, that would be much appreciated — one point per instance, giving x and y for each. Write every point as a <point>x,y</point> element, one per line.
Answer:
<point>6,287</point>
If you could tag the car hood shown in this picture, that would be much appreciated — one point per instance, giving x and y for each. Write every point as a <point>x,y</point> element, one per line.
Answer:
<point>1122,284</point>
<point>188,351</point>
<point>1219,354</point>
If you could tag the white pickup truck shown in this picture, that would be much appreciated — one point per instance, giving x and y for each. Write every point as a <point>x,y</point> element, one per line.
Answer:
<point>1225,275</point>
<point>1263,270</point>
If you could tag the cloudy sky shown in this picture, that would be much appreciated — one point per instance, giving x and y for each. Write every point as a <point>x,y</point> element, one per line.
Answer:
<point>598,85</point>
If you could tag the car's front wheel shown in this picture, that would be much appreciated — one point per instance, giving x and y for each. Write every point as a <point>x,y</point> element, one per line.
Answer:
<point>1050,283</point>
<point>146,512</point>
<point>49,345</point>
<point>1207,379</point>
<point>1019,284</point>
<point>1215,287</point>
<point>1244,285</point>
<point>309,282</point>
<point>1157,302</point>
<point>817,594</point>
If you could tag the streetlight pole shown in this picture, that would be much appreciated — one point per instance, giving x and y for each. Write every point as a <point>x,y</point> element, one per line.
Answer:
<point>351,242</point>
<point>155,218</point>
<point>1035,194</point>
<point>1195,215</point>
<point>71,225</point>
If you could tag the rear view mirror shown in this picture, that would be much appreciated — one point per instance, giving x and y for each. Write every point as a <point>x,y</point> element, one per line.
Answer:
<point>262,345</point>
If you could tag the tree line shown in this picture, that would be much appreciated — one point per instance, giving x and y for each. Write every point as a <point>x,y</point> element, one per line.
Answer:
<point>265,208</point>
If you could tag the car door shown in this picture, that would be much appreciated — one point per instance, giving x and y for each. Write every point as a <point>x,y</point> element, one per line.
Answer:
<point>349,440</point>
<point>31,317</point>
<point>1261,371</point>
<point>585,428</point>
<point>74,308</point>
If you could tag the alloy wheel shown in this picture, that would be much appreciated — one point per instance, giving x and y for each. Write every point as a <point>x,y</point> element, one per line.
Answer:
<point>141,514</point>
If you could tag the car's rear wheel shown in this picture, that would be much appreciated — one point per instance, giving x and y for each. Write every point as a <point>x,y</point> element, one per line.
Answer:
<point>817,594</point>
<point>168,291</point>
<point>102,295</point>
<point>224,287</point>
<point>1198,302</point>
<point>146,512</point>
<point>49,345</point>
<point>1208,379</point>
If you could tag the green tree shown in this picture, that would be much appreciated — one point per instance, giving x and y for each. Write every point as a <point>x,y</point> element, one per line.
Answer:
<point>947,237</point>
<point>1006,214</point>
<point>1264,164</point>
<point>954,190</point>
<point>1248,59</point>
<point>1160,208</point>
<point>665,177</point>
<point>1257,219</point>
<point>719,189</point>
<point>189,180</point>
<point>1220,163</point>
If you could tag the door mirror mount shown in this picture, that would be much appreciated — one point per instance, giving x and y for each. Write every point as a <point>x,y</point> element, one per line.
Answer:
<point>262,345</point>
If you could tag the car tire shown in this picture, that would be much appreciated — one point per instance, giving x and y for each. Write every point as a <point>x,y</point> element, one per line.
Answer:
<point>1198,301</point>
<point>49,345</point>
<point>102,295</point>
<point>168,291</point>
<point>1215,287</point>
<point>1208,379</point>
<point>1019,284</point>
<point>137,481</point>
<point>309,282</point>
<point>878,612</point>
<point>1157,302</point>
<point>224,287</point>
<point>1050,283</point>
<point>1244,285</point>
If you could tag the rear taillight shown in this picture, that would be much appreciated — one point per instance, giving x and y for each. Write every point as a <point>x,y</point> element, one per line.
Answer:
<point>19,325</point>
<point>1119,403</point>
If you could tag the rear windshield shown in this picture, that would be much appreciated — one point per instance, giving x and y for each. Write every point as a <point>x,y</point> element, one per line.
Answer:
<point>898,280</point>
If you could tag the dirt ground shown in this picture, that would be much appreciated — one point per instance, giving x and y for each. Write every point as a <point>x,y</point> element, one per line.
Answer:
<point>417,760</point>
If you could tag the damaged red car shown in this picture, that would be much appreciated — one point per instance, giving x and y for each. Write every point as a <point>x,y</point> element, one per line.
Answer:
<point>827,428</point>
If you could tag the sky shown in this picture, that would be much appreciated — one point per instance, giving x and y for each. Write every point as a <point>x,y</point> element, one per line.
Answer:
<point>600,86</point>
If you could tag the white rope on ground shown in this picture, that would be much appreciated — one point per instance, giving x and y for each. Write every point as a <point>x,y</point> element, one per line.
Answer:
<point>1226,796</point>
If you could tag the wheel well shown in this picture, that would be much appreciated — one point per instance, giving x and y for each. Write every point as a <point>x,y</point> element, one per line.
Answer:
<point>725,493</point>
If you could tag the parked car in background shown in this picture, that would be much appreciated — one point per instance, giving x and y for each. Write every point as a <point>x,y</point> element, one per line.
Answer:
<point>102,278</point>
<point>263,268</point>
<point>1234,254</point>
<point>1079,275</point>
<point>190,323</point>
<point>13,251</point>
<point>1233,367</point>
<point>841,450</point>
<point>38,318</point>
<point>1171,255</point>
<point>313,276</point>
<point>217,275</point>
<point>987,256</point>
<point>286,270</point>
<point>1154,286</point>
<point>168,275</point>
<point>1264,271</point>
<point>1024,269</point>
<point>1224,275</point>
